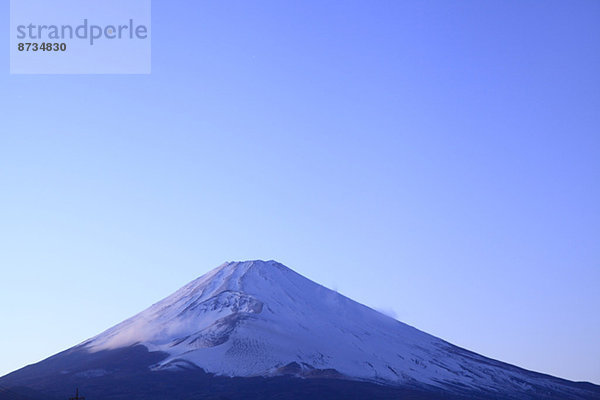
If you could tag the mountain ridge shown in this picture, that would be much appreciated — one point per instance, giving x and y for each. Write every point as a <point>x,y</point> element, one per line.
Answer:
<point>262,320</point>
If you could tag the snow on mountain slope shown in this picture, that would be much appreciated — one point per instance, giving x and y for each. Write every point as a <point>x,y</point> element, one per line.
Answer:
<point>261,318</point>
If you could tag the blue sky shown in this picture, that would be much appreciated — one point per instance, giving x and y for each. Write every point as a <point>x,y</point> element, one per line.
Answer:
<point>439,161</point>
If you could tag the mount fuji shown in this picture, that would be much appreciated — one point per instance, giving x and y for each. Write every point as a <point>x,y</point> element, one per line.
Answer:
<point>258,330</point>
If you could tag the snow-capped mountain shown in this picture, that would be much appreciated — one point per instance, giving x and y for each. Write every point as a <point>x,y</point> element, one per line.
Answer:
<point>261,319</point>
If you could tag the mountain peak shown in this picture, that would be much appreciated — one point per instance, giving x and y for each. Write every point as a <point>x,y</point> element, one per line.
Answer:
<point>239,276</point>
<point>246,265</point>
<point>260,318</point>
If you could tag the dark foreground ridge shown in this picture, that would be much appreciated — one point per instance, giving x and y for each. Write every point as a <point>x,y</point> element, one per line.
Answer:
<point>128,377</point>
<point>123,374</point>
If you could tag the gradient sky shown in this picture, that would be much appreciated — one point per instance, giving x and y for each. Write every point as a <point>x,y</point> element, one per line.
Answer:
<point>439,161</point>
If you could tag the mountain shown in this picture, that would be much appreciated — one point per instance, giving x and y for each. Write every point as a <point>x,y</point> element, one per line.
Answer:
<point>258,329</point>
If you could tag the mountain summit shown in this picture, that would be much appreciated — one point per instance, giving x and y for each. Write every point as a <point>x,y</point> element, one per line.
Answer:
<point>261,320</point>
<point>256,318</point>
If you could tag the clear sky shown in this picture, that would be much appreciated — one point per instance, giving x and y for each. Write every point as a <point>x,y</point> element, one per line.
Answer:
<point>436,160</point>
